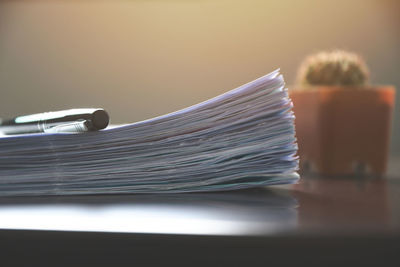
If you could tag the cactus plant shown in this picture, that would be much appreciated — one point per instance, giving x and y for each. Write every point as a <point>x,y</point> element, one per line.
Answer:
<point>335,67</point>
<point>342,122</point>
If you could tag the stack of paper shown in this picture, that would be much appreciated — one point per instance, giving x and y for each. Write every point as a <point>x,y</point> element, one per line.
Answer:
<point>243,138</point>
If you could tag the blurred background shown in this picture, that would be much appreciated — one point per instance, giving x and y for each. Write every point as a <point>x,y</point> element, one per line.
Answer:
<point>139,59</point>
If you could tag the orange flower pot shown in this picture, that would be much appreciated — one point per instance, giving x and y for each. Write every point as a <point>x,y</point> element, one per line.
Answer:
<point>343,131</point>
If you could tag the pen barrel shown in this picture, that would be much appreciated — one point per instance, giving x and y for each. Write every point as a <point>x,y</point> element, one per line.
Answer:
<point>20,129</point>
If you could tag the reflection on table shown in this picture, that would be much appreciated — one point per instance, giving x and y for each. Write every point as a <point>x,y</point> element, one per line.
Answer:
<point>316,205</point>
<point>246,212</point>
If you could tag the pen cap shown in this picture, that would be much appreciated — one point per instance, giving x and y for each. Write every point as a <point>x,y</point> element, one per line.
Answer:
<point>99,119</point>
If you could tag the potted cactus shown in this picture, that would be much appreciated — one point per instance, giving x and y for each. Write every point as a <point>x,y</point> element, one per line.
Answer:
<point>342,122</point>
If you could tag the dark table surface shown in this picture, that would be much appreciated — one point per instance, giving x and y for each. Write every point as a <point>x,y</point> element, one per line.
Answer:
<point>318,221</point>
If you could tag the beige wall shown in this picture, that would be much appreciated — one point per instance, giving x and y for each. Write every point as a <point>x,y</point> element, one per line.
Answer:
<point>143,58</point>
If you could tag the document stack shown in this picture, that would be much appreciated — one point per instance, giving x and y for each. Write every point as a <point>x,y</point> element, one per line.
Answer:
<point>240,139</point>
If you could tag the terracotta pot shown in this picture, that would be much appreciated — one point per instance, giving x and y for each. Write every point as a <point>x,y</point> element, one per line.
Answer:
<point>343,131</point>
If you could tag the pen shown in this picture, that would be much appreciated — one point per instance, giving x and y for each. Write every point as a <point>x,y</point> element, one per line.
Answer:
<point>70,121</point>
